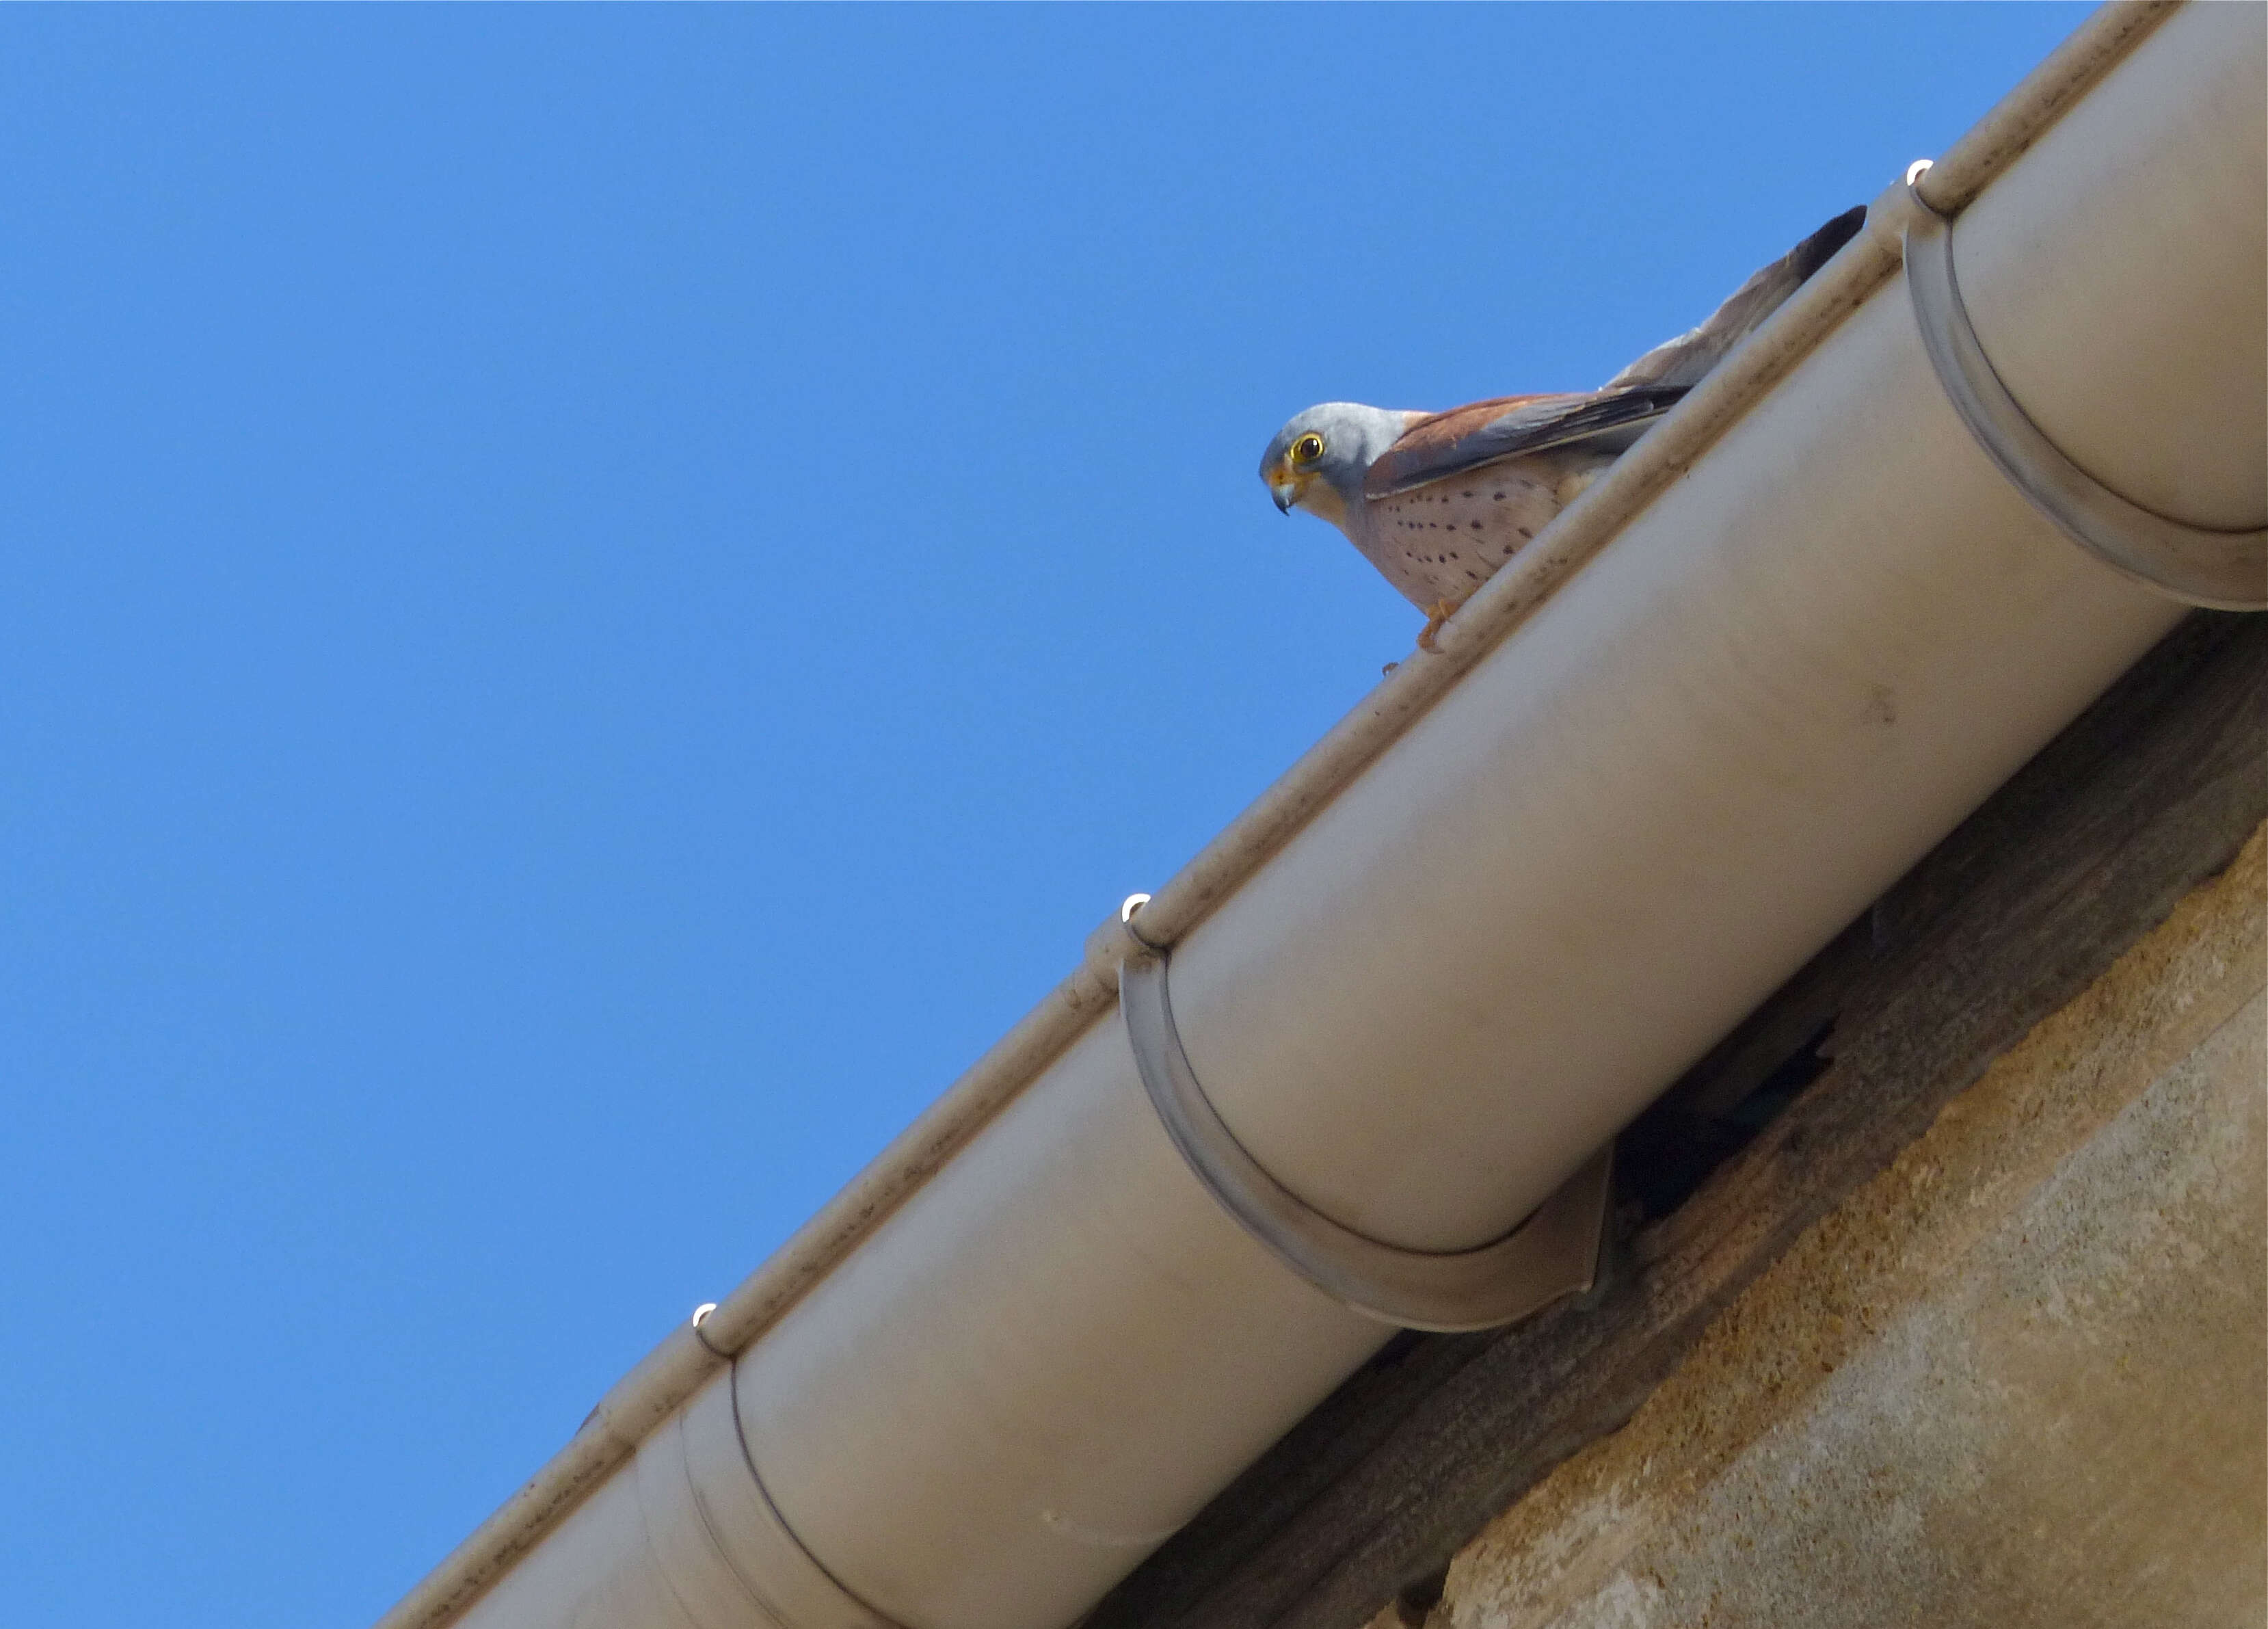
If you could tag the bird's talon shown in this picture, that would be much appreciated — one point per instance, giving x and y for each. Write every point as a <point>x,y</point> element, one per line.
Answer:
<point>1436,614</point>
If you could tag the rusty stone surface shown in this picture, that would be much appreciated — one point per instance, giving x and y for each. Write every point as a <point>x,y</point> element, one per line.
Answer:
<point>2020,1377</point>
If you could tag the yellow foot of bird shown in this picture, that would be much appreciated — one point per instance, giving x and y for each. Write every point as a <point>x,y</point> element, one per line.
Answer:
<point>1436,614</point>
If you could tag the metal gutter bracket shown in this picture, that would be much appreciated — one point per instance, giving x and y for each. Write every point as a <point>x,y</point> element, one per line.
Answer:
<point>1554,1251</point>
<point>2223,570</point>
<point>726,1552</point>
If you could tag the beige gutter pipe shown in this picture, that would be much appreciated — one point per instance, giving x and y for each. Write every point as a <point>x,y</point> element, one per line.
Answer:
<point>1477,928</point>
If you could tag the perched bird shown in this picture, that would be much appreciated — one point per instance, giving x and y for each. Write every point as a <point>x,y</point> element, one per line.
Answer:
<point>1438,501</point>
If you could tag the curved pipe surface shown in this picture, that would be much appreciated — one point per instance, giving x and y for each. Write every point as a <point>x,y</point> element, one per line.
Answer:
<point>1552,1252</point>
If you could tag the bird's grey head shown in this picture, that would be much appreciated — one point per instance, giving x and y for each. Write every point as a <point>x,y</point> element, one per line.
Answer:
<point>1317,462</point>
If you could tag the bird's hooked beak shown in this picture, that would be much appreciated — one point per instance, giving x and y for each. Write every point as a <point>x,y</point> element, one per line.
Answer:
<point>1284,487</point>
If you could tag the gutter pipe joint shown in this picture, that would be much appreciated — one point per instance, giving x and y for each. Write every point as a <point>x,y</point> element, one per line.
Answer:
<point>2196,565</point>
<point>1552,1251</point>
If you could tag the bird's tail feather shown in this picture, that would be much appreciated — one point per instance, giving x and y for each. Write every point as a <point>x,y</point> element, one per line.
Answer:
<point>1685,359</point>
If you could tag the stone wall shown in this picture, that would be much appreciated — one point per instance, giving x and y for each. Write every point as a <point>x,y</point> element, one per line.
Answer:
<point>2020,1377</point>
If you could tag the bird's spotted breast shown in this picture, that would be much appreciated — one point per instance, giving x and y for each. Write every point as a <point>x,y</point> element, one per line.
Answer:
<point>1442,541</point>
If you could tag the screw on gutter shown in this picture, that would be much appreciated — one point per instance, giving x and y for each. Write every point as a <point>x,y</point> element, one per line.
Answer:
<point>1127,908</point>
<point>700,1316</point>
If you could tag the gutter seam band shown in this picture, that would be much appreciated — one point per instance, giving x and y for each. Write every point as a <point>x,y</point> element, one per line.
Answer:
<point>2196,565</point>
<point>816,1578</point>
<point>1550,1252</point>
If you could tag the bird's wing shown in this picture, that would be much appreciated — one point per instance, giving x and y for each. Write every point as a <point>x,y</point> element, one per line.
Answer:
<point>1464,439</point>
<point>1684,360</point>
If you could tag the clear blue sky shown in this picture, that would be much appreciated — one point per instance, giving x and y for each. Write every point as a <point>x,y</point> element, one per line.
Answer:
<point>591,601</point>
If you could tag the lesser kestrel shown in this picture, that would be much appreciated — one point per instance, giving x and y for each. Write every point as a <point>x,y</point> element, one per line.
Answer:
<point>1438,501</point>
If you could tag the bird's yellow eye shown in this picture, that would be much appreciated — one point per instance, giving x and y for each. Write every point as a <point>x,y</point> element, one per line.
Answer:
<point>1306,449</point>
